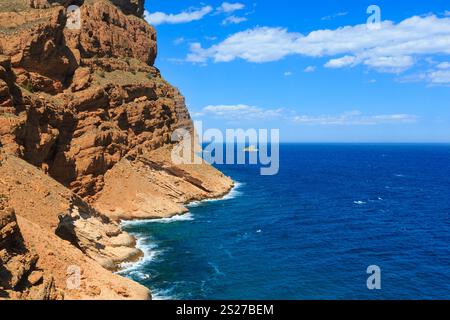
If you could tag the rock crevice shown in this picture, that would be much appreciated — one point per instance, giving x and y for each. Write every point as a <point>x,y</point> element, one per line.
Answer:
<point>86,121</point>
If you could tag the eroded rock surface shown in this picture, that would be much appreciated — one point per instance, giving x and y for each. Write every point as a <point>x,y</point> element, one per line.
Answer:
<point>86,121</point>
<point>41,200</point>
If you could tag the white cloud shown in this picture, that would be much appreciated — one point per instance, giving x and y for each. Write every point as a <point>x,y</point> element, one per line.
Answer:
<point>158,18</point>
<point>439,77</point>
<point>178,41</point>
<point>239,112</point>
<point>335,15</point>
<point>341,62</point>
<point>253,45</point>
<point>227,7</point>
<point>355,118</point>
<point>233,20</point>
<point>244,112</point>
<point>444,65</point>
<point>390,64</point>
<point>392,48</point>
<point>288,73</point>
<point>309,69</point>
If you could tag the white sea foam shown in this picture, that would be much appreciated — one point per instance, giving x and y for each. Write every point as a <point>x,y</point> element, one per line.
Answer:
<point>216,269</point>
<point>359,202</point>
<point>234,193</point>
<point>139,274</point>
<point>163,294</point>
<point>150,248</point>
<point>137,269</point>
<point>150,251</point>
<point>184,217</point>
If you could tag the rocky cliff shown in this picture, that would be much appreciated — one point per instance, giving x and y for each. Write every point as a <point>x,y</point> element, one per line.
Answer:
<point>86,121</point>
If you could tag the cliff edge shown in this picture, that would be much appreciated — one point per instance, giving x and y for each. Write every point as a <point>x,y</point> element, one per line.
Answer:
<point>86,121</point>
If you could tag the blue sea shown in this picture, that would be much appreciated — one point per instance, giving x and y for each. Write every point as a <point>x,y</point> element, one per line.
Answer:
<point>311,231</point>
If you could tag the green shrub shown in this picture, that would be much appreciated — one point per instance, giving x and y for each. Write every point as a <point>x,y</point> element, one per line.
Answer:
<point>29,87</point>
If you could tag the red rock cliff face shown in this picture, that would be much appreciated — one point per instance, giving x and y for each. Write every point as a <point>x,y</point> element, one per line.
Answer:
<point>46,231</point>
<point>76,102</point>
<point>85,140</point>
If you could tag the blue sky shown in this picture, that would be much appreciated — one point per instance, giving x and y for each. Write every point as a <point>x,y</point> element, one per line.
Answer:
<point>316,71</point>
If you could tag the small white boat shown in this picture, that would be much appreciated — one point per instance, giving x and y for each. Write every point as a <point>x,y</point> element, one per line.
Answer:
<point>251,149</point>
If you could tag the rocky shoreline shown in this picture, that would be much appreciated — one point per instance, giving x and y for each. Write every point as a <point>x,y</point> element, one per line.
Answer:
<point>85,141</point>
<point>126,265</point>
